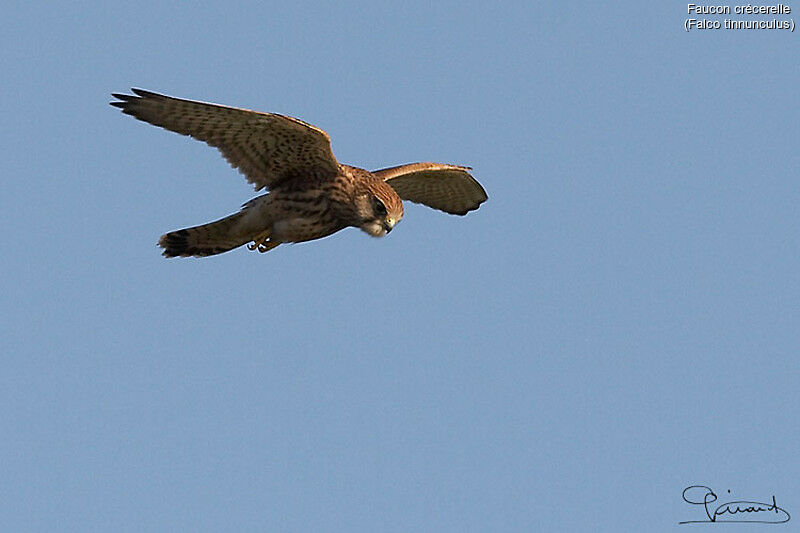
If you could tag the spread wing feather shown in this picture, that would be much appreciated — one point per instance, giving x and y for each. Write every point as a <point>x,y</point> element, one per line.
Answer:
<point>265,147</point>
<point>448,188</point>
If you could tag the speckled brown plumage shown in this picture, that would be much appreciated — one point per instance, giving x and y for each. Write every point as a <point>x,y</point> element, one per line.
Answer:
<point>310,194</point>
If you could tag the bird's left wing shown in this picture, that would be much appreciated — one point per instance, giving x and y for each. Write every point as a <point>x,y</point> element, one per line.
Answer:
<point>448,188</point>
<point>265,147</point>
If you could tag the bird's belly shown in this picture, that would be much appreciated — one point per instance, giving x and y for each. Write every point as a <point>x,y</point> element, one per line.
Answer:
<point>302,229</point>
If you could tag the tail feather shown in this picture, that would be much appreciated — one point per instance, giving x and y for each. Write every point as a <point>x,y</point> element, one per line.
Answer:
<point>209,239</point>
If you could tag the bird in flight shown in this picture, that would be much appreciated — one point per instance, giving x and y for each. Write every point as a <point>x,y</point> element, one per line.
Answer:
<point>310,195</point>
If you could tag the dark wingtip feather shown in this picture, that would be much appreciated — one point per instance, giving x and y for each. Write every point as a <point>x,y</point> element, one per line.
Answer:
<point>175,244</point>
<point>464,212</point>
<point>124,100</point>
<point>137,95</point>
<point>473,207</point>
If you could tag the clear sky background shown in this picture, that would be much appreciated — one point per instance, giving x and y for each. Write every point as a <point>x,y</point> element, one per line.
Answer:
<point>619,321</point>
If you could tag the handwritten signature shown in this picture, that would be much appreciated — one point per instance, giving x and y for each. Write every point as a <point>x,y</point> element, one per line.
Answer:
<point>740,511</point>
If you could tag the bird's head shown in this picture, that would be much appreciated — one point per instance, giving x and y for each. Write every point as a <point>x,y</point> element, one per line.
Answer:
<point>379,208</point>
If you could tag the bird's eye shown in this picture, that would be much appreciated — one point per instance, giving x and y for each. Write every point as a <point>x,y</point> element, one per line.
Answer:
<point>380,209</point>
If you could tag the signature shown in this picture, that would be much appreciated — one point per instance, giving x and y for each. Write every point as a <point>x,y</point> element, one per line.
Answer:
<point>740,511</point>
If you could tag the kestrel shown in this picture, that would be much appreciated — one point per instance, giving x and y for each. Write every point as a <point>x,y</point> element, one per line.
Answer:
<point>310,194</point>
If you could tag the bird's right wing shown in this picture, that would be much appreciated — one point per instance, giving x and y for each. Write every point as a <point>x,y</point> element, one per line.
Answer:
<point>448,188</point>
<point>265,147</point>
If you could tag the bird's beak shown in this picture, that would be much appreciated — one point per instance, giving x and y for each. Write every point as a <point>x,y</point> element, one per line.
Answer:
<point>388,224</point>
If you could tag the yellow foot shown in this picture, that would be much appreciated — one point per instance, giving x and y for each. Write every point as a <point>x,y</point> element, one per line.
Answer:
<point>262,243</point>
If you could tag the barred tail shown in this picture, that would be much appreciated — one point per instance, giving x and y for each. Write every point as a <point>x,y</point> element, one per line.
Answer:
<point>209,239</point>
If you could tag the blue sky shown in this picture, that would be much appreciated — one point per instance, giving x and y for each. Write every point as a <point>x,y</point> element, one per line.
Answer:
<point>619,321</point>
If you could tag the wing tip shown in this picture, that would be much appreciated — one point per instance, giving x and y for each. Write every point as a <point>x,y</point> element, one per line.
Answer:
<point>138,94</point>
<point>479,200</point>
<point>123,99</point>
<point>473,207</point>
